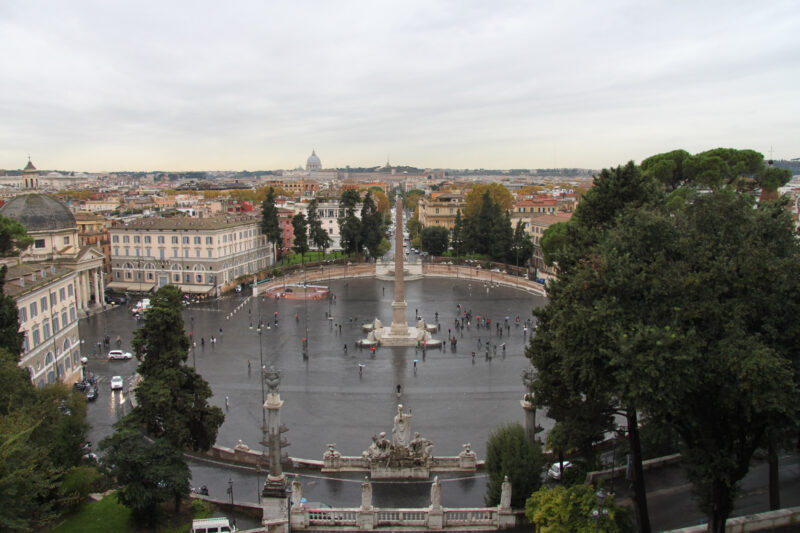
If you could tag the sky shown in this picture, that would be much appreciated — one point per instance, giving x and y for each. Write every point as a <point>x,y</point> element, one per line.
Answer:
<point>251,85</point>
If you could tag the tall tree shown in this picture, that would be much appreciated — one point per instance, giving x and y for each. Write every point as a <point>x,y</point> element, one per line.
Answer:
<point>148,473</point>
<point>300,245</point>
<point>457,239</point>
<point>316,233</point>
<point>521,247</point>
<point>434,240</point>
<point>510,453</point>
<point>349,224</point>
<point>10,335</point>
<point>372,227</point>
<point>172,399</point>
<point>269,220</point>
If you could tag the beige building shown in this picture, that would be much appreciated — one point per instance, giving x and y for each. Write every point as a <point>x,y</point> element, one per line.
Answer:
<point>536,228</point>
<point>55,240</point>
<point>93,231</point>
<point>442,210</point>
<point>200,255</point>
<point>46,295</point>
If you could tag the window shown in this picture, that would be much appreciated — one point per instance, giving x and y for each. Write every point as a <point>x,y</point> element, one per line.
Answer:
<point>66,241</point>
<point>185,252</point>
<point>187,278</point>
<point>36,337</point>
<point>25,346</point>
<point>43,303</point>
<point>176,278</point>
<point>46,330</point>
<point>185,239</point>
<point>147,239</point>
<point>33,310</point>
<point>174,239</point>
<point>174,252</point>
<point>115,238</point>
<point>72,313</point>
<point>197,240</point>
<point>160,239</point>
<point>69,290</point>
<point>127,251</point>
<point>55,325</point>
<point>62,294</point>
<point>64,318</point>
<point>137,252</point>
<point>197,252</point>
<point>150,276</point>
<point>161,253</point>
<point>126,238</point>
<point>209,240</point>
<point>116,250</point>
<point>210,253</point>
<point>136,239</point>
<point>23,314</point>
<point>147,251</point>
<point>53,299</point>
<point>38,243</point>
<point>199,278</point>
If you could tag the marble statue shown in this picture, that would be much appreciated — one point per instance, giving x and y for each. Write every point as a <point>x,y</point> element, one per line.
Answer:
<point>505,494</point>
<point>366,495</point>
<point>436,493</point>
<point>297,493</point>
<point>401,432</point>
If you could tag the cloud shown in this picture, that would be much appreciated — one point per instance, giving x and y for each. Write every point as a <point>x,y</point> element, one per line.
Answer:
<point>188,85</point>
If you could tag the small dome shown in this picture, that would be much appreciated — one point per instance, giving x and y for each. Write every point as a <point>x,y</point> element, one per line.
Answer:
<point>38,212</point>
<point>29,167</point>
<point>313,162</point>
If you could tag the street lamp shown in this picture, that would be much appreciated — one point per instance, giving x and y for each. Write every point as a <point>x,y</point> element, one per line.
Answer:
<point>191,338</point>
<point>601,512</point>
<point>230,489</point>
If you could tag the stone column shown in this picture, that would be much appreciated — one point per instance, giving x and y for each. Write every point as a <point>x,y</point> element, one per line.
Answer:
<point>528,377</point>
<point>399,325</point>
<point>79,291</point>
<point>98,297</point>
<point>102,286</point>
<point>275,485</point>
<point>86,290</point>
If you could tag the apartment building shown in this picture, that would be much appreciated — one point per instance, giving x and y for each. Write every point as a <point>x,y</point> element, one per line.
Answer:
<point>47,302</point>
<point>441,210</point>
<point>202,256</point>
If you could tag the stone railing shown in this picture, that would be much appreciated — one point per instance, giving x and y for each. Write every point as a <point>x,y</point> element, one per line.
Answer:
<point>482,276</point>
<point>771,520</point>
<point>321,273</point>
<point>460,519</point>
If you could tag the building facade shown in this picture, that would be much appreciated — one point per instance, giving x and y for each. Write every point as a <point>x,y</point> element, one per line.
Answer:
<point>47,303</point>
<point>441,211</point>
<point>202,256</point>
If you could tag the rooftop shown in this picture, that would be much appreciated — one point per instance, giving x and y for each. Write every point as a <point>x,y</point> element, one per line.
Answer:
<point>27,277</point>
<point>186,223</point>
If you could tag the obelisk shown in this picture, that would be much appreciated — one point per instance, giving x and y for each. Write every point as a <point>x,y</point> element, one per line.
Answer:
<point>399,325</point>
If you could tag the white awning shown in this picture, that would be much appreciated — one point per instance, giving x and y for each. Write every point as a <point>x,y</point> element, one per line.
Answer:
<point>131,286</point>
<point>196,289</point>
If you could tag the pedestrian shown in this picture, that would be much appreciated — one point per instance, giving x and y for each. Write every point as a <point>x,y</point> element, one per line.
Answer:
<point>227,403</point>
<point>345,347</point>
<point>248,367</point>
<point>220,332</point>
<point>202,342</point>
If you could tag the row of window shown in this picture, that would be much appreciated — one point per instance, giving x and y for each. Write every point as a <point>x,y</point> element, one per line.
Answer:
<point>61,369</point>
<point>38,335</point>
<point>55,298</point>
<point>185,239</point>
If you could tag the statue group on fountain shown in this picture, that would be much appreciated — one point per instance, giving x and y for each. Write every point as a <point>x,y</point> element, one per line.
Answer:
<point>403,450</point>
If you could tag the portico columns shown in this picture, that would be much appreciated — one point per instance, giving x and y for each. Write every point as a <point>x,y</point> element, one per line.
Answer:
<point>98,296</point>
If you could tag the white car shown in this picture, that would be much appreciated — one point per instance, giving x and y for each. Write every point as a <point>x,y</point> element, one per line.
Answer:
<point>119,354</point>
<point>554,472</point>
<point>117,383</point>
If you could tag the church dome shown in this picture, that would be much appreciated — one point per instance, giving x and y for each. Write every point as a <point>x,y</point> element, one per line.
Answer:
<point>313,162</point>
<point>38,212</point>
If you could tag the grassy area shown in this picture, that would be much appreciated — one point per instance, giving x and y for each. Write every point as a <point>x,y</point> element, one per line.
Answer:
<point>294,259</point>
<point>109,515</point>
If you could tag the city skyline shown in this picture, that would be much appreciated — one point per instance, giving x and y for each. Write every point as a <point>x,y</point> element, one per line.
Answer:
<point>198,86</point>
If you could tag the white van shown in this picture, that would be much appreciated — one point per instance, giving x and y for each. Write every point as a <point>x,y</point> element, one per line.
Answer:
<point>212,525</point>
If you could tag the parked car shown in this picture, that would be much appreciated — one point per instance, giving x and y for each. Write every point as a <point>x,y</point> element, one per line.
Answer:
<point>555,471</point>
<point>91,393</point>
<point>82,385</point>
<point>117,383</point>
<point>118,354</point>
<point>116,299</point>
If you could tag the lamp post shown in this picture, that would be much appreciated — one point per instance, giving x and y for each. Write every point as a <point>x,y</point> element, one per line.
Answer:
<point>230,489</point>
<point>600,512</point>
<point>191,339</point>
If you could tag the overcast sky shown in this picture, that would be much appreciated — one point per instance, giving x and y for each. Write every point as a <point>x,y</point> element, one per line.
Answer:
<point>116,85</point>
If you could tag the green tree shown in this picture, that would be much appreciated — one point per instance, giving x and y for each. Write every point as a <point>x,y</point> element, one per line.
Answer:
<point>147,473</point>
<point>349,224</point>
<point>457,240</point>
<point>372,228</point>
<point>662,307</point>
<point>10,335</point>
<point>521,246</point>
<point>316,233</point>
<point>13,237</point>
<point>569,510</point>
<point>553,240</point>
<point>411,200</point>
<point>434,240</point>
<point>413,227</point>
<point>269,220</point>
<point>510,453</point>
<point>300,245</point>
<point>172,399</point>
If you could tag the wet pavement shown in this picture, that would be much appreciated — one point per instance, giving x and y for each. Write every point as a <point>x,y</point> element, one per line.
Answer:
<point>454,398</point>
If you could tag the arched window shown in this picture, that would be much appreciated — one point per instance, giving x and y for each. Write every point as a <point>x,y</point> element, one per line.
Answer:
<point>48,359</point>
<point>66,345</point>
